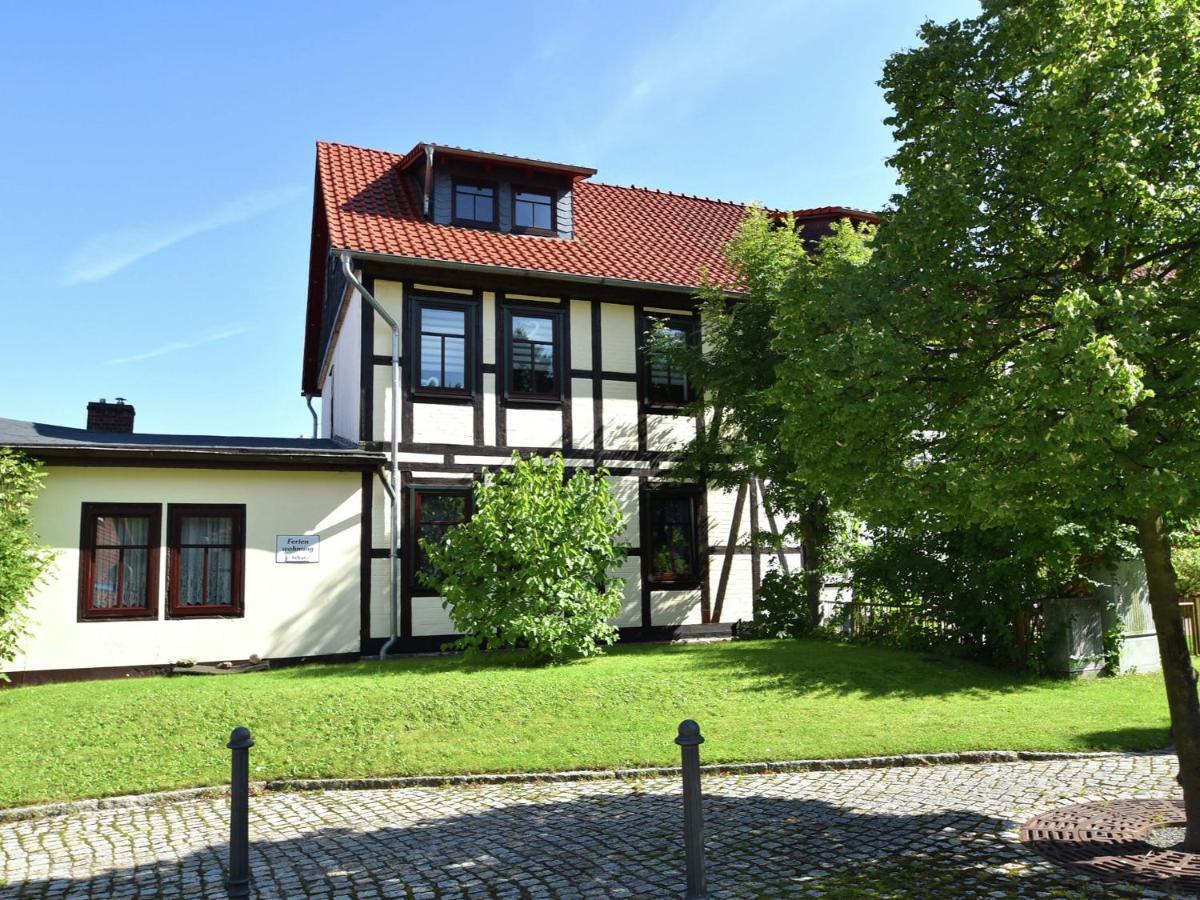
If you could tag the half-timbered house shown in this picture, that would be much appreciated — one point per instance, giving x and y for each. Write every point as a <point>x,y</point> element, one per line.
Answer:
<point>461,306</point>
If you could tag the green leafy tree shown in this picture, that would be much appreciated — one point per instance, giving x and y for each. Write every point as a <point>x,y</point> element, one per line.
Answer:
<point>1023,342</point>
<point>23,562</point>
<point>533,564</point>
<point>733,372</point>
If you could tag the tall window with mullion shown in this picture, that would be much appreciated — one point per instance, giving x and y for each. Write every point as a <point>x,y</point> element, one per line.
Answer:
<point>533,369</point>
<point>118,568</point>
<point>443,348</point>
<point>436,510</point>
<point>672,536</point>
<point>474,204</point>
<point>666,385</point>
<point>533,211</point>
<point>206,559</point>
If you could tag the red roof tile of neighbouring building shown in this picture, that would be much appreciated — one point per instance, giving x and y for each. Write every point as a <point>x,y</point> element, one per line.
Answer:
<point>366,203</point>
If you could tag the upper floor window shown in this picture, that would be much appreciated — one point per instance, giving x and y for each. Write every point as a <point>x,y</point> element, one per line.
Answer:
<point>532,354</point>
<point>665,384</point>
<point>444,347</point>
<point>672,536</point>
<point>436,510</point>
<point>205,559</point>
<point>474,204</point>
<point>533,211</point>
<point>118,561</point>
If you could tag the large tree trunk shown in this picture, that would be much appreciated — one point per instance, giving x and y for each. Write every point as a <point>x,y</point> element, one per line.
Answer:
<point>1178,674</point>
<point>814,528</point>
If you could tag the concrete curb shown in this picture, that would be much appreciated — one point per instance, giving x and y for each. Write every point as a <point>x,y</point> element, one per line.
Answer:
<point>970,757</point>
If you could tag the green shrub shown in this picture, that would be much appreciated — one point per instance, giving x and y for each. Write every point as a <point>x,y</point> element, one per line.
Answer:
<point>23,562</point>
<point>532,566</point>
<point>782,608</point>
<point>1187,570</point>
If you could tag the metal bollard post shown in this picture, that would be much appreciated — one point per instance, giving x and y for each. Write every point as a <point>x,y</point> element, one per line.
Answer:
<point>238,882</point>
<point>689,741</point>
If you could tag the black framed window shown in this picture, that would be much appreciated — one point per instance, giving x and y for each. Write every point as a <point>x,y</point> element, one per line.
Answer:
<point>444,348</point>
<point>672,536</point>
<point>205,559</point>
<point>118,561</point>
<point>436,510</point>
<point>533,211</point>
<point>665,384</point>
<point>474,203</point>
<point>532,343</point>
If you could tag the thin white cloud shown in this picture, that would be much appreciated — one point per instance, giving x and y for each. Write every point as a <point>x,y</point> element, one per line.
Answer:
<point>176,346</point>
<point>108,253</point>
<point>679,68</point>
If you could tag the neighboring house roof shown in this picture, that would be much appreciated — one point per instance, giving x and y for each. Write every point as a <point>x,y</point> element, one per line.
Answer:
<point>61,442</point>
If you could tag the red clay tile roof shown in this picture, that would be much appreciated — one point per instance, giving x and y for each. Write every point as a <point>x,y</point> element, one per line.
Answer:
<point>635,234</point>
<point>365,204</point>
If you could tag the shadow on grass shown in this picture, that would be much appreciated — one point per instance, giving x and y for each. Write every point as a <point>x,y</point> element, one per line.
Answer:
<point>610,842</point>
<point>1128,739</point>
<point>794,666</point>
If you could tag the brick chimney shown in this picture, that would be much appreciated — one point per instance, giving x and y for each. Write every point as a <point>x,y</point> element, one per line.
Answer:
<point>111,417</point>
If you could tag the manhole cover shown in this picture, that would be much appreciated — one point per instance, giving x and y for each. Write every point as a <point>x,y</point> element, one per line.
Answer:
<point>1121,840</point>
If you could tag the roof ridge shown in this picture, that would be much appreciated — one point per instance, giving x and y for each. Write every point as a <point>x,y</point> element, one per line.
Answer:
<point>667,193</point>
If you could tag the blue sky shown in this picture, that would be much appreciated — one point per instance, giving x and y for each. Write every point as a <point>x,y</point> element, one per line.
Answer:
<point>158,157</point>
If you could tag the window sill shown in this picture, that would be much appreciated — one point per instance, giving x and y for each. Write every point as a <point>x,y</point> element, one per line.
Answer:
<point>665,409</point>
<point>476,225</point>
<point>683,584</point>
<point>148,616</point>
<point>517,401</point>
<point>428,396</point>
<point>224,612</point>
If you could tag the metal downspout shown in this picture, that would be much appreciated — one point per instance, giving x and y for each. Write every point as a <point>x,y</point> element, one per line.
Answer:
<point>394,486</point>
<point>313,412</point>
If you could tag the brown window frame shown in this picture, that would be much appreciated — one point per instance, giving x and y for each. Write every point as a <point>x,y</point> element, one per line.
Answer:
<point>176,512</point>
<point>689,325</point>
<point>414,527</point>
<point>470,310</point>
<point>494,222</point>
<point>87,561</point>
<point>681,580</point>
<point>552,231</point>
<point>558,327</point>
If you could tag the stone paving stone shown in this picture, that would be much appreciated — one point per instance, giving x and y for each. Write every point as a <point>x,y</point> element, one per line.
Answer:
<point>934,831</point>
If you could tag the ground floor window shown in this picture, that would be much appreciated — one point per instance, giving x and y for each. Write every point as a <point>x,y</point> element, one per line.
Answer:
<point>205,559</point>
<point>672,536</point>
<point>118,561</point>
<point>435,511</point>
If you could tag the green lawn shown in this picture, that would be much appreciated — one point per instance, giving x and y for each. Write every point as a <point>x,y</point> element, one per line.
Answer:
<point>754,701</point>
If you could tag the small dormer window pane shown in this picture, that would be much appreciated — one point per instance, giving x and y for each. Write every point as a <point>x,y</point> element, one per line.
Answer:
<point>474,204</point>
<point>533,210</point>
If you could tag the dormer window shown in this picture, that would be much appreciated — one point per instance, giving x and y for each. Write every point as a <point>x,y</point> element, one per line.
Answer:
<point>533,211</point>
<point>474,204</point>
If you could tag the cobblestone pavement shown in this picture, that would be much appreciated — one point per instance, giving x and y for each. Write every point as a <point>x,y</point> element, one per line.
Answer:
<point>936,831</point>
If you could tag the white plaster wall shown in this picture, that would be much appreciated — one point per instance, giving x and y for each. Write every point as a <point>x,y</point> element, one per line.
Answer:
<point>443,423</point>
<point>581,334</point>
<point>739,600</point>
<point>620,415</point>
<point>534,427</point>
<point>428,617</point>
<point>721,504</point>
<point>675,607</point>
<point>669,433</point>
<point>290,609</point>
<point>583,412</point>
<point>347,372</point>
<point>625,490</point>
<point>631,606</point>
<point>618,342</point>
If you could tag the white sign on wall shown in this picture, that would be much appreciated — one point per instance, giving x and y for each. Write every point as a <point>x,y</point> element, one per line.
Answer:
<point>297,548</point>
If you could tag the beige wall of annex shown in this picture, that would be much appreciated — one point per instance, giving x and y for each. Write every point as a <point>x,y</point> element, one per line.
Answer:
<point>291,609</point>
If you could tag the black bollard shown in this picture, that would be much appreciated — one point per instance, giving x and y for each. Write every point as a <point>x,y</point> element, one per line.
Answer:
<point>238,882</point>
<point>689,741</point>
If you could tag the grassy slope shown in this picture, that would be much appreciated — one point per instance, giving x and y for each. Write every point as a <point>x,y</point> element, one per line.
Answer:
<point>754,700</point>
